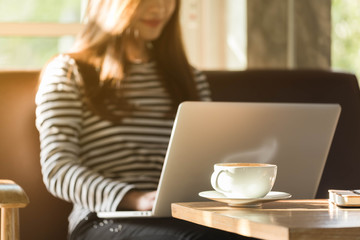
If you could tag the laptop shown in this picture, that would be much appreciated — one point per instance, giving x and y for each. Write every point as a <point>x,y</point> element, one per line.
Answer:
<point>294,136</point>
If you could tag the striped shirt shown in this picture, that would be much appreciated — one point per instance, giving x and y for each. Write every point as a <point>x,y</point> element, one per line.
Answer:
<point>93,162</point>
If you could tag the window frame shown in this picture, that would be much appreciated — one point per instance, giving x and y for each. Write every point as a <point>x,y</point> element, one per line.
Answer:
<point>46,29</point>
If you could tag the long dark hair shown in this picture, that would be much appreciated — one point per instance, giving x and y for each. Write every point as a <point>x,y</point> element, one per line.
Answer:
<point>102,63</point>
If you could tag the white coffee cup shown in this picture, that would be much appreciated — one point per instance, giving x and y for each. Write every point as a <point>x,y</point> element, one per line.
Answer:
<point>243,180</point>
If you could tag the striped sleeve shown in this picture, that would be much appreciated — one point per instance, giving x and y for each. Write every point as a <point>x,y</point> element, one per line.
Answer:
<point>59,115</point>
<point>202,85</point>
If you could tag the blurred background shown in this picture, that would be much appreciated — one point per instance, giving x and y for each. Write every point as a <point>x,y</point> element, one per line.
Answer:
<point>218,34</point>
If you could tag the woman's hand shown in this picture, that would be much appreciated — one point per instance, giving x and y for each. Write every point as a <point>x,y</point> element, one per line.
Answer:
<point>138,200</point>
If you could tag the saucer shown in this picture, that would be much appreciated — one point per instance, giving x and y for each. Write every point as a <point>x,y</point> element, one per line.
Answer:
<point>244,202</point>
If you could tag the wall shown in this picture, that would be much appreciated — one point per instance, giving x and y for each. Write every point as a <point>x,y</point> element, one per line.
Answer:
<point>239,34</point>
<point>289,34</point>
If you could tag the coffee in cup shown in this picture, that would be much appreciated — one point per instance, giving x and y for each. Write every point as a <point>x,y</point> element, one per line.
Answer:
<point>243,180</point>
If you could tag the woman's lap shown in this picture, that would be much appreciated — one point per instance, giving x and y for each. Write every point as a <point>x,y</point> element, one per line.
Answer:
<point>146,229</point>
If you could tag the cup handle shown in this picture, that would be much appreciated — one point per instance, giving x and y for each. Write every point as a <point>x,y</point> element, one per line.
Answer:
<point>214,181</point>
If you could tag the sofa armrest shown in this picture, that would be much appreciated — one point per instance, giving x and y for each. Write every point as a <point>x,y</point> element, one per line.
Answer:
<point>12,197</point>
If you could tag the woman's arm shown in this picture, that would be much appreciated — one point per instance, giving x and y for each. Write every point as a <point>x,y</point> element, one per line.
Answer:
<point>138,200</point>
<point>59,116</point>
<point>202,85</point>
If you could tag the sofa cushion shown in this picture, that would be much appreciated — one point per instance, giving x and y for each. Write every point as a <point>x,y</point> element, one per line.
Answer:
<point>305,86</point>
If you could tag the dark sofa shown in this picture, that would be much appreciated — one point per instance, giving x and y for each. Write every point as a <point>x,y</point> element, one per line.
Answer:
<point>45,217</point>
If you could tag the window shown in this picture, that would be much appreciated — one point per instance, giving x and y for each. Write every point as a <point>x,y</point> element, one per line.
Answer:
<point>33,33</point>
<point>214,31</point>
<point>346,35</point>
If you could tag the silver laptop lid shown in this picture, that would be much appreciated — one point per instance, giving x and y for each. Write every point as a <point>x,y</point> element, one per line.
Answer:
<point>296,137</point>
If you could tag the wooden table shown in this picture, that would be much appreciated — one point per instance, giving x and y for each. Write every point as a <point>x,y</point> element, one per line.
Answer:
<point>288,219</point>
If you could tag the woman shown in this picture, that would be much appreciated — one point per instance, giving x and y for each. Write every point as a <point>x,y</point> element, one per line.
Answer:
<point>105,113</point>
